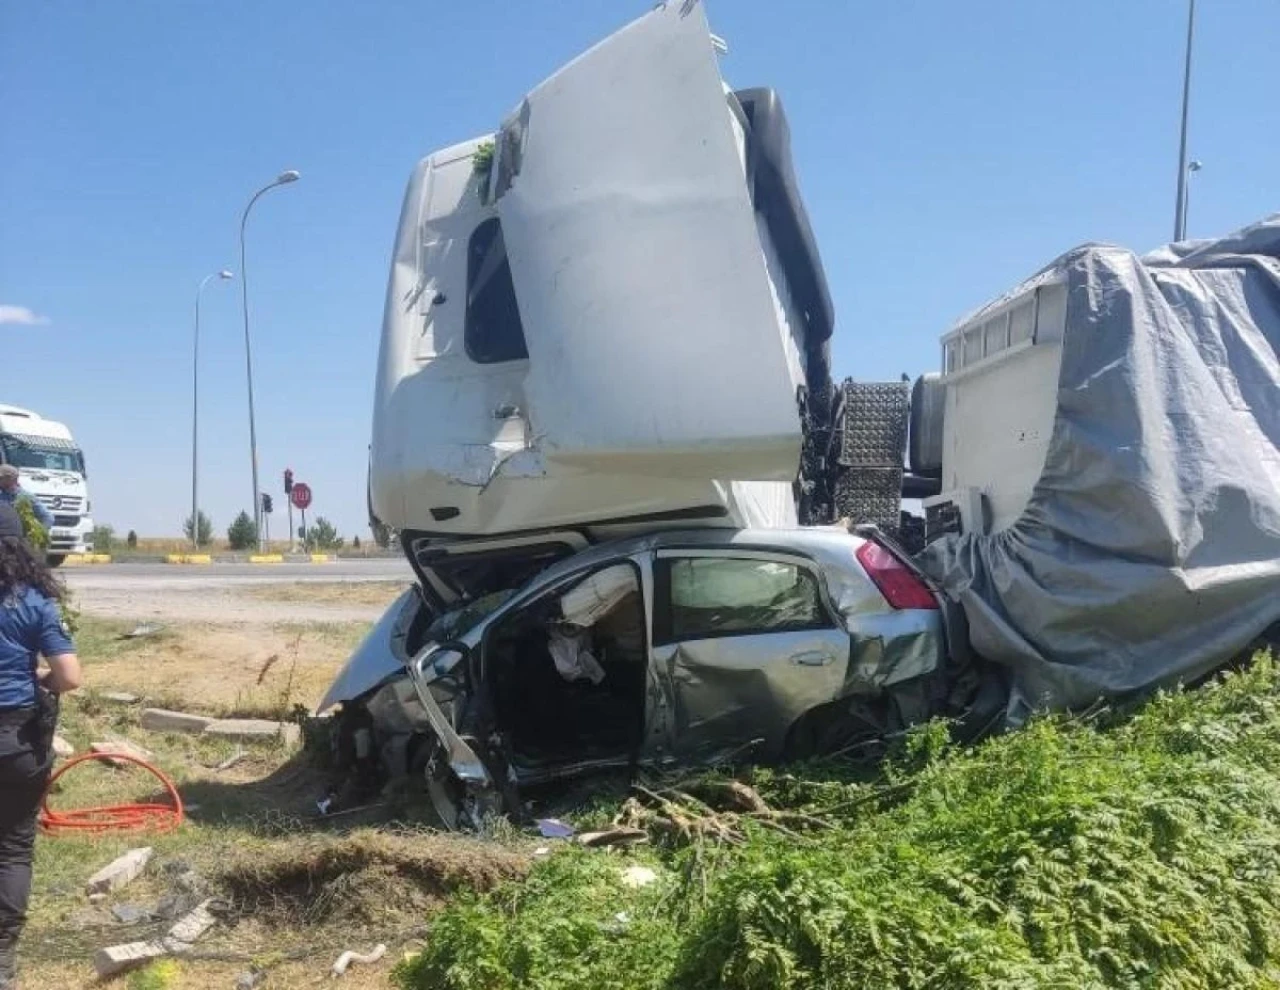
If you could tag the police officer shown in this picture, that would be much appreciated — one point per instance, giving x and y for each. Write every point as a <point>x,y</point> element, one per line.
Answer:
<point>30,626</point>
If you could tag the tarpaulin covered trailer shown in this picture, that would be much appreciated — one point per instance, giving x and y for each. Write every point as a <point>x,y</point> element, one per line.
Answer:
<point>1108,441</point>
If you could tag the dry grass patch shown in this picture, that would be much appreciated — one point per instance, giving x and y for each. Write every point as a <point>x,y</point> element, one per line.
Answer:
<point>219,670</point>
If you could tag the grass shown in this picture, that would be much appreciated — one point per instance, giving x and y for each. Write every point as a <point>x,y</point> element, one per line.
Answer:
<point>1139,852</point>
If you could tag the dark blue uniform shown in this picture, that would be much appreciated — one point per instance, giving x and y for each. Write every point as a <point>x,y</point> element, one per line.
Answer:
<point>30,625</point>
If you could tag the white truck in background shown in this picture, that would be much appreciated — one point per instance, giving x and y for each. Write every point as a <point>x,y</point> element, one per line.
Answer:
<point>51,467</point>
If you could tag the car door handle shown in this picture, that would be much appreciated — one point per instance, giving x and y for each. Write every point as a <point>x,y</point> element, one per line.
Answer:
<point>813,658</point>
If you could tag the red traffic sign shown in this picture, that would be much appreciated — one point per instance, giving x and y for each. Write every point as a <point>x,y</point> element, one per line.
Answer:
<point>301,495</point>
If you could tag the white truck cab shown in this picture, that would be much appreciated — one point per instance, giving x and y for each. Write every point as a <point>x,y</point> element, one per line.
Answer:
<point>609,312</point>
<point>51,468</point>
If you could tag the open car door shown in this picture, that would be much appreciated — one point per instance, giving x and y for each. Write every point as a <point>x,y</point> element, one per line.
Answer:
<point>654,338</point>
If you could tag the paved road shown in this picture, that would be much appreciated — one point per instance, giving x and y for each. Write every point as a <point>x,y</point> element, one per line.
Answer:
<point>136,575</point>
<point>224,593</point>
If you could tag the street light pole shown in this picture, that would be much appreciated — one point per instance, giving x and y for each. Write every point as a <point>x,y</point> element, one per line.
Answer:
<point>1179,211</point>
<point>282,179</point>
<point>1193,166</point>
<point>195,410</point>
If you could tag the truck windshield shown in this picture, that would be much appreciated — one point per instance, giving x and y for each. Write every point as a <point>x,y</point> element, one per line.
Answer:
<point>39,455</point>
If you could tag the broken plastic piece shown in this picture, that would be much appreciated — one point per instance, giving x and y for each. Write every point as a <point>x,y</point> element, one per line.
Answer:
<point>553,828</point>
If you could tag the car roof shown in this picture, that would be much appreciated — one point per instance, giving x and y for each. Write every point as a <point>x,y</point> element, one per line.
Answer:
<point>820,542</point>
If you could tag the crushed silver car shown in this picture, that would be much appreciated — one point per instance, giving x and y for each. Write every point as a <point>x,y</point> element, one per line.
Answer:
<point>540,660</point>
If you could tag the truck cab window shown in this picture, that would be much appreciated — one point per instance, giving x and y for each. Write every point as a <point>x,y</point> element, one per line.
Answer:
<point>493,330</point>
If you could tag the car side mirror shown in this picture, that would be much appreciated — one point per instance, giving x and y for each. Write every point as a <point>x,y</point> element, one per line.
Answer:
<point>447,658</point>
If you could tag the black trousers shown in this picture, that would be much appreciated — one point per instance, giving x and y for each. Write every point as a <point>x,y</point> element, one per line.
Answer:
<point>24,771</point>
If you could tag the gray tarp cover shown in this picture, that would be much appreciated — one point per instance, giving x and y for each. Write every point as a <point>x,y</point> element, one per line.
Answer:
<point>1149,552</point>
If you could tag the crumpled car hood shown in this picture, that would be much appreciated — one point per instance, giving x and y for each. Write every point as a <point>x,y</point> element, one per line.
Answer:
<point>375,659</point>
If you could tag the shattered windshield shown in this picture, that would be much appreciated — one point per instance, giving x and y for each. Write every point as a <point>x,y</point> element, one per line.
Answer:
<point>459,621</point>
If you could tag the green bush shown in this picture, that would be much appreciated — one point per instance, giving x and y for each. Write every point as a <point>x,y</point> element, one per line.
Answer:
<point>1139,852</point>
<point>104,538</point>
<point>200,529</point>
<point>323,535</point>
<point>242,534</point>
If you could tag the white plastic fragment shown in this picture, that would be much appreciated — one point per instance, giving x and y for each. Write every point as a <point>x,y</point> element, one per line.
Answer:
<point>349,957</point>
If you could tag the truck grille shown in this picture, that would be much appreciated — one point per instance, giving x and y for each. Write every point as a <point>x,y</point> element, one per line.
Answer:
<point>71,503</point>
<point>69,522</point>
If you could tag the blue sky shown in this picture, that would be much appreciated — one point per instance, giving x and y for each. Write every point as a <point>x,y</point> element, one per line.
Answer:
<point>945,151</point>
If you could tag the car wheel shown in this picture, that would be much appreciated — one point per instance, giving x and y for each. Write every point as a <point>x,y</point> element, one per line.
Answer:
<point>55,559</point>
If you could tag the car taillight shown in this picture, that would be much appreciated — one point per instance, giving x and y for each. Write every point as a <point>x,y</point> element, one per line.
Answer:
<point>898,583</point>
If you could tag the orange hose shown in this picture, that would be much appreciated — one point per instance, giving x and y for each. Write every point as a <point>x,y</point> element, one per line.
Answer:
<point>116,817</point>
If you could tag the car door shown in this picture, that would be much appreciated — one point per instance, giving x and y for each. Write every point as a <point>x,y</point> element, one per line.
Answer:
<point>637,264</point>
<point>745,642</point>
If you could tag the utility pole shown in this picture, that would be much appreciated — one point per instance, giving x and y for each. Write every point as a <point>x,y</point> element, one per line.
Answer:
<point>1179,208</point>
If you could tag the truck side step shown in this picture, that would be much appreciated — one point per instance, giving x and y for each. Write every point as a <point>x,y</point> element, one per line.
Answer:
<point>872,449</point>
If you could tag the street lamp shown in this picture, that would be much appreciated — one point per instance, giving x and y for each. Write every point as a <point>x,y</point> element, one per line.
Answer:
<point>284,178</point>
<point>1194,166</point>
<point>1179,206</point>
<point>195,408</point>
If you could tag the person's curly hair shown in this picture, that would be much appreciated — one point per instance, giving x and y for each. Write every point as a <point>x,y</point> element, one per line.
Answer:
<point>21,568</point>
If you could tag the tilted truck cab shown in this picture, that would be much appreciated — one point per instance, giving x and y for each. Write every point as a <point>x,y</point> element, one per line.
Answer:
<point>608,315</point>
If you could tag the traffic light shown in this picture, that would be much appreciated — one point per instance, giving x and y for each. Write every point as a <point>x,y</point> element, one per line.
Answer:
<point>266,503</point>
<point>288,481</point>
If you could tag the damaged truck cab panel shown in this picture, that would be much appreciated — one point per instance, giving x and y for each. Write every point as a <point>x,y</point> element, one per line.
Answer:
<point>560,289</point>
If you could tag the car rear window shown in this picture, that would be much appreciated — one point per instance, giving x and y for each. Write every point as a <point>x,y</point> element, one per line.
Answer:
<point>725,596</point>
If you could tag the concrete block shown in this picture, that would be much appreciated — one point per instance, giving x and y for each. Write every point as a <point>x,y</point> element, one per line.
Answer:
<point>62,749</point>
<point>254,730</point>
<point>116,874</point>
<point>193,925</point>
<point>120,697</point>
<point>161,720</point>
<point>122,958</point>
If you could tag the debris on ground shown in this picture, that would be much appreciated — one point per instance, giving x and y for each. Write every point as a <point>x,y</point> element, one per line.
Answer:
<point>254,730</point>
<point>164,720</point>
<point>554,828</point>
<point>119,872</point>
<point>120,747</point>
<point>638,876</point>
<point>117,959</point>
<point>130,914</point>
<point>191,927</point>
<point>231,761</point>
<point>119,697</point>
<point>250,979</point>
<point>365,959</point>
<point>62,749</point>
<point>616,836</point>
<point>143,630</point>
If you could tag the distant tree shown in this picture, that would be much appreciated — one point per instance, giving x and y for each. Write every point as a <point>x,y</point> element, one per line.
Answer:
<point>243,534</point>
<point>205,534</point>
<point>383,535</point>
<point>132,540</point>
<point>355,543</point>
<point>104,538</point>
<point>323,535</point>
